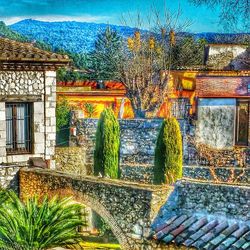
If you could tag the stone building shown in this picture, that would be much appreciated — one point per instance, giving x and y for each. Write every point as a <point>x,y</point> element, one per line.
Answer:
<point>27,102</point>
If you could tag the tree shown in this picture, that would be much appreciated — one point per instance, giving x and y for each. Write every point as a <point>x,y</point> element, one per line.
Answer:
<point>168,153</point>
<point>188,52</point>
<point>107,55</point>
<point>62,114</point>
<point>233,14</point>
<point>141,74</point>
<point>147,61</point>
<point>35,225</point>
<point>106,154</point>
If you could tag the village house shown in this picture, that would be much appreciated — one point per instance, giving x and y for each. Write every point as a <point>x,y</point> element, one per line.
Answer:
<point>27,102</point>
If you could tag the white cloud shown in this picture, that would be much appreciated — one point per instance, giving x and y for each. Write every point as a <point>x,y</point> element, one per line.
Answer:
<point>54,18</point>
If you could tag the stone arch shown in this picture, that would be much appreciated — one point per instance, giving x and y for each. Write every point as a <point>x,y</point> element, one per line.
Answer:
<point>108,218</point>
<point>99,208</point>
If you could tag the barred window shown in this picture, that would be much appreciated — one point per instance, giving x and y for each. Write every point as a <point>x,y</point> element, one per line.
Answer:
<point>180,108</point>
<point>18,128</point>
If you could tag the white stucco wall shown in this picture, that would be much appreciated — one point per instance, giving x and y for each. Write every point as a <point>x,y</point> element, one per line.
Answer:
<point>42,87</point>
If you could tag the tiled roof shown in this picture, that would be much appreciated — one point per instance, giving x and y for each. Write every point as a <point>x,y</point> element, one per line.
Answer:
<point>111,85</point>
<point>204,232</point>
<point>25,52</point>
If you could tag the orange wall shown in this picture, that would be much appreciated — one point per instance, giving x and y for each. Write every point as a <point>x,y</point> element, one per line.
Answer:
<point>77,97</point>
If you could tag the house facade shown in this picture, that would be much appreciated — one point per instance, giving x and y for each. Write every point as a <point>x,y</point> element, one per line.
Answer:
<point>223,109</point>
<point>27,102</point>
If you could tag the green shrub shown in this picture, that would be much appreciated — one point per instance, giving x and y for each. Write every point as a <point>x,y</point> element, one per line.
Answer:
<point>106,155</point>
<point>35,225</point>
<point>89,109</point>
<point>62,114</point>
<point>168,153</point>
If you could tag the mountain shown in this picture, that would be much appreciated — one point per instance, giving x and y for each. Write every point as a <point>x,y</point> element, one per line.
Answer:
<point>5,31</point>
<point>70,36</point>
<point>78,37</point>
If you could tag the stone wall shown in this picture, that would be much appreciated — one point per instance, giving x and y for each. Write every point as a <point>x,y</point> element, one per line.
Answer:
<point>229,201</point>
<point>128,208</point>
<point>38,88</point>
<point>21,83</point>
<point>230,56</point>
<point>138,139</point>
<point>218,174</point>
<point>9,177</point>
<point>71,160</point>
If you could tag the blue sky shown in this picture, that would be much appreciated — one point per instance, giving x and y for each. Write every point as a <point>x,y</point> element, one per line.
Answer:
<point>105,11</point>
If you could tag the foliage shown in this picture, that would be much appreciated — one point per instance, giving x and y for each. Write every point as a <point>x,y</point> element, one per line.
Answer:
<point>106,155</point>
<point>5,31</point>
<point>107,55</point>
<point>62,114</point>
<point>99,223</point>
<point>168,153</point>
<point>36,226</point>
<point>232,13</point>
<point>188,52</point>
<point>89,109</point>
<point>8,33</point>
<point>75,37</point>
<point>65,75</point>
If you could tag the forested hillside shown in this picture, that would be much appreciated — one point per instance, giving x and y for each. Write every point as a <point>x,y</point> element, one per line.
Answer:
<point>80,37</point>
<point>70,36</point>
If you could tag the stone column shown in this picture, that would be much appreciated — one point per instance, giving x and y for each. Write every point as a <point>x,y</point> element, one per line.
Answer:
<point>2,133</point>
<point>50,116</point>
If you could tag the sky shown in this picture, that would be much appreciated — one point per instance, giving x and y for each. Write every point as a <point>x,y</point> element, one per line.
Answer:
<point>202,18</point>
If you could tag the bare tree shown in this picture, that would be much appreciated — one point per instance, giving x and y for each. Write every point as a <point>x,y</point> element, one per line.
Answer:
<point>234,13</point>
<point>147,60</point>
<point>146,84</point>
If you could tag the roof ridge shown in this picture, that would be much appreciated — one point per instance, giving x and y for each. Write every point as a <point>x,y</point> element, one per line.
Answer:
<point>11,50</point>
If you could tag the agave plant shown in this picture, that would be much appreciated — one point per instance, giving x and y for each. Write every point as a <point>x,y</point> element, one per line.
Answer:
<point>35,225</point>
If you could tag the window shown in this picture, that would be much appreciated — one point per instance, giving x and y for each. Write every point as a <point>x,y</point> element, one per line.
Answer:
<point>18,128</point>
<point>180,108</point>
<point>242,123</point>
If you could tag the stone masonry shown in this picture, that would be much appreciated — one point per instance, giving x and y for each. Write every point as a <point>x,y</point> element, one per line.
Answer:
<point>71,160</point>
<point>128,208</point>
<point>137,140</point>
<point>40,89</point>
<point>202,197</point>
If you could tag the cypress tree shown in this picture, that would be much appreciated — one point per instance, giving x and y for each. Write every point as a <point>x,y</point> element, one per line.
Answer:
<point>168,153</point>
<point>106,155</point>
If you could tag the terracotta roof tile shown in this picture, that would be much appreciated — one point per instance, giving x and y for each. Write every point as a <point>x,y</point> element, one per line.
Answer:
<point>205,232</point>
<point>25,52</point>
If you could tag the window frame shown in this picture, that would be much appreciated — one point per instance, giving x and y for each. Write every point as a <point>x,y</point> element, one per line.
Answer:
<point>30,148</point>
<point>237,143</point>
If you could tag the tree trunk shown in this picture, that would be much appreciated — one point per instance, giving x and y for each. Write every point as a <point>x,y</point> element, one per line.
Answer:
<point>139,113</point>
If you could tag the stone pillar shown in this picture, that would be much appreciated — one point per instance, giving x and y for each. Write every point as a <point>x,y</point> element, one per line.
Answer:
<point>50,116</point>
<point>2,133</point>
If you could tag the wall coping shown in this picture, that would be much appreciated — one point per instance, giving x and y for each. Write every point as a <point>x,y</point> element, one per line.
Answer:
<point>191,181</point>
<point>98,180</point>
<point>208,167</point>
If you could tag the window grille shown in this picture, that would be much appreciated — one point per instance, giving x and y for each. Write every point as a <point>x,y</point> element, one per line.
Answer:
<point>180,108</point>
<point>18,128</point>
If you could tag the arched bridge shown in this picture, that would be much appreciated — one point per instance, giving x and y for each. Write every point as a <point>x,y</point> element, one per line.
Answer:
<point>128,208</point>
